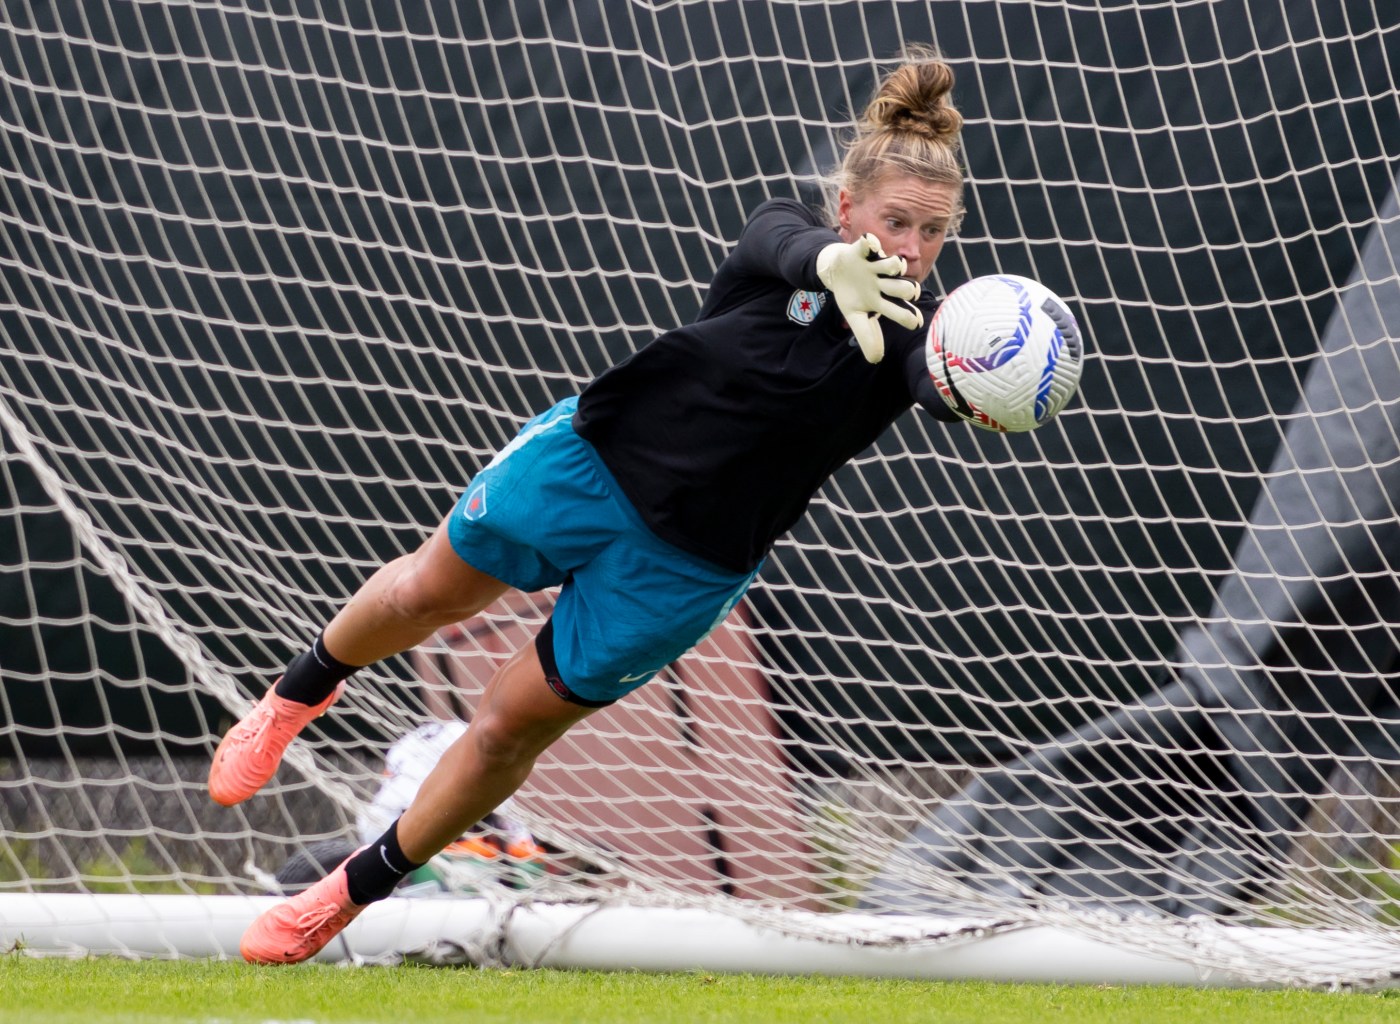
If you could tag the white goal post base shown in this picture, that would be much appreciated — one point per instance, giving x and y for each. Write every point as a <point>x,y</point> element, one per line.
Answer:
<point>618,936</point>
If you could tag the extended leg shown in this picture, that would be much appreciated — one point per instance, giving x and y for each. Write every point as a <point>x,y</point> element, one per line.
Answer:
<point>401,605</point>
<point>518,718</point>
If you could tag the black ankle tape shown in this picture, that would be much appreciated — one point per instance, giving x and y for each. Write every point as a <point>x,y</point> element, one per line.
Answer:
<point>313,675</point>
<point>373,873</point>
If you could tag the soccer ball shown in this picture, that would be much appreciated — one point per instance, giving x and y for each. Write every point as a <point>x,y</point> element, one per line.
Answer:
<point>1005,352</point>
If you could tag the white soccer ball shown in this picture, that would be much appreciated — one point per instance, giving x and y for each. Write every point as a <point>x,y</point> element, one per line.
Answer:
<point>1005,352</point>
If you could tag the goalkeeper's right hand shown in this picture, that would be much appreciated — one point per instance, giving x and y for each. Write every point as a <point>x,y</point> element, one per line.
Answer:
<point>864,282</point>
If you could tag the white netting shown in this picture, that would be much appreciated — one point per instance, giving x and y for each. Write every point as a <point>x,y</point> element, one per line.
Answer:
<point>276,279</point>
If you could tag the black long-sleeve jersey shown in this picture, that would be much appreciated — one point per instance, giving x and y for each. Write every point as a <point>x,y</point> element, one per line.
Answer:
<point>721,431</point>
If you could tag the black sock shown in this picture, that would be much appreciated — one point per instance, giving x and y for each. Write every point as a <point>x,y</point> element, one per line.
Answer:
<point>314,675</point>
<point>373,872</point>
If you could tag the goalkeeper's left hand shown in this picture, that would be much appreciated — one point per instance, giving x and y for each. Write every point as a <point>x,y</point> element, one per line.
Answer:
<point>865,284</point>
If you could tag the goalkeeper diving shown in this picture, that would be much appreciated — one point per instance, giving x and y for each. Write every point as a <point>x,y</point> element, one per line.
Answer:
<point>651,498</point>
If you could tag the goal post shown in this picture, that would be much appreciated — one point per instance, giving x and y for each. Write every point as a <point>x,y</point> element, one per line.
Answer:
<point>275,282</point>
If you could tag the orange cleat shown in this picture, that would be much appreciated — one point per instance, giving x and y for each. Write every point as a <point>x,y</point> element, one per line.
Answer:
<point>526,850</point>
<point>300,928</point>
<point>471,845</point>
<point>249,754</point>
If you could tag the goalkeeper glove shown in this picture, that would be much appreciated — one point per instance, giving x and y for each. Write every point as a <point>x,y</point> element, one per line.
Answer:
<point>865,282</point>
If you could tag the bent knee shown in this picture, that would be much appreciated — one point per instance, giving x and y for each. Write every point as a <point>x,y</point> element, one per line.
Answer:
<point>414,594</point>
<point>433,586</point>
<point>501,742</point>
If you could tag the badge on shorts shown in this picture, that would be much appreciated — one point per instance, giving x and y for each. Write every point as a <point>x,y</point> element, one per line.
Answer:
<point>475,505</point>
<point>804,306</point>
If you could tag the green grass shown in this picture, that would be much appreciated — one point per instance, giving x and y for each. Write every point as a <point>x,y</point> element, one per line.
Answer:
<point>25,864</point>
<point>99,991</point>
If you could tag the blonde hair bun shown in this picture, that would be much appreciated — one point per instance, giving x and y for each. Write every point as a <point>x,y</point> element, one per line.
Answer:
<point>916,97</point>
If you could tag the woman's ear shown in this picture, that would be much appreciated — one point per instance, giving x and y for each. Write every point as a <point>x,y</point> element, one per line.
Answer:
<point>843,212</point>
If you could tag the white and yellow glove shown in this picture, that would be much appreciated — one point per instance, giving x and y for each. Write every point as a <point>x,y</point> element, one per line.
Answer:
<point>865,282</point>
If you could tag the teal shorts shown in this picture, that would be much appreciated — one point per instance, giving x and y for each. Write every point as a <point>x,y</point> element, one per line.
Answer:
<point>546,512</point>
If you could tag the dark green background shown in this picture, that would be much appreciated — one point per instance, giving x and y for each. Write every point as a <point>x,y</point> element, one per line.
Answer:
<point>1197,177</point>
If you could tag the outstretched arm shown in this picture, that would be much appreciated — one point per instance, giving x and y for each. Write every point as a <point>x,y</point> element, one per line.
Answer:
<point>867,285</point>
<point>783,239</point>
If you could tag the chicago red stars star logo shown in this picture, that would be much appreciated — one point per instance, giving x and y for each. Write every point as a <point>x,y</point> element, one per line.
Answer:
<point>475,505</point>
<point>804,306</point>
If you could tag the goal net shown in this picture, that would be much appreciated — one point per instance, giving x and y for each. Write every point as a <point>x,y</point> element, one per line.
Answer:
<point>277,278</point>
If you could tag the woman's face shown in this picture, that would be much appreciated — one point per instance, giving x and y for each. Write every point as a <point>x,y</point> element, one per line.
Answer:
<point>910,217</point>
